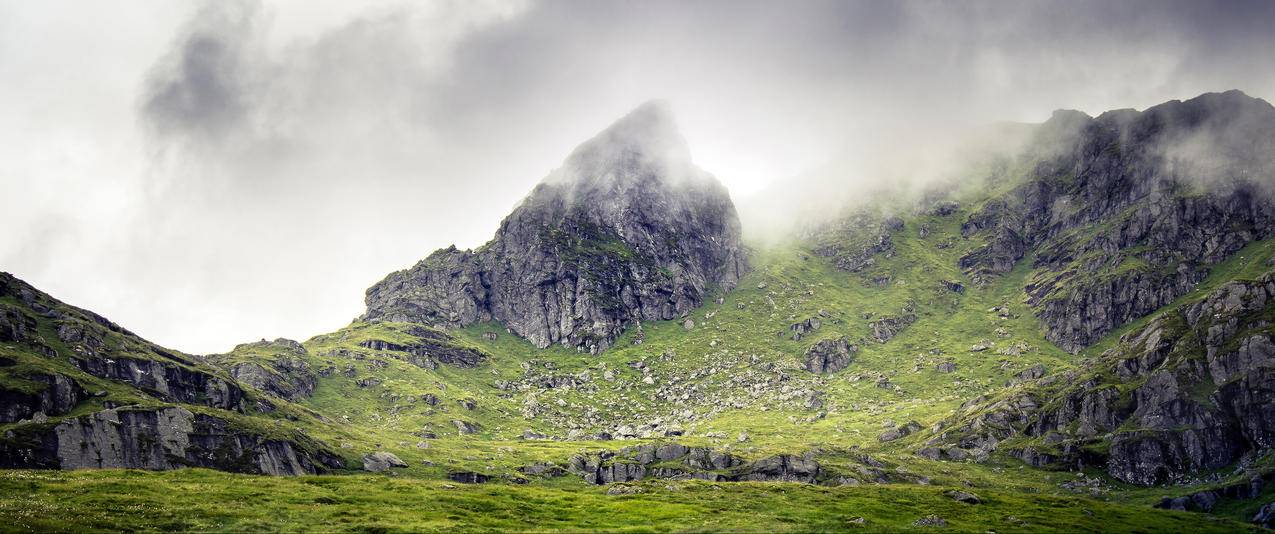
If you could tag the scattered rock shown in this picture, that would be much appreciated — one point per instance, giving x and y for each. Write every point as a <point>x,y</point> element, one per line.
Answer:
<point>379,461</point>
<point>1031,373</point>
<point>885,328</point>
<point>964,496</point>
<point>802,328</point>
<point>899,432</point>
<point>830,355</point>
<point>468,477</point>
<point>465,427</point>
<point>620,489</point>
<point>930,521</point>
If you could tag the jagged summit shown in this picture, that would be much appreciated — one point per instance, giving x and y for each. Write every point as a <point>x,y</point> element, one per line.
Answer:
<point>626,230</point>
<point>644,144</point>
<point>1221,107</point>
<point>650,130</point>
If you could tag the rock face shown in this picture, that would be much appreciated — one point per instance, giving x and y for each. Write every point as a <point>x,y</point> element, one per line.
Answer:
<point>1193,390</point>
<point>1126,211</point>
<point>175,425</point>
<point>169,381</point>
<point>853,243</point>
<point>432,347</point>
<point>784,468</point>
<point>276,367</point>
<point>658,460</point>
<point>626,230</point>
<point>164,438</point>
<point>103,349</point>
<point>50,394</point>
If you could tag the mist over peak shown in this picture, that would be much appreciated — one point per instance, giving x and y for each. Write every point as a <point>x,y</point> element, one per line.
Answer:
<point>648,136</point>
<point>627,230</point>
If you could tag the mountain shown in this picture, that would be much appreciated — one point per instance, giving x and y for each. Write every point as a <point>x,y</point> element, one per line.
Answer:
<point>626,230</point>
<point>79,391</point>
<point>1125,218</point>
<point>1072,333</point>
<point>1125,212</point>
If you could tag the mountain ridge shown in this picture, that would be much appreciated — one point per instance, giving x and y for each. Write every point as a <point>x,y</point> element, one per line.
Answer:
<point>1076,333</point>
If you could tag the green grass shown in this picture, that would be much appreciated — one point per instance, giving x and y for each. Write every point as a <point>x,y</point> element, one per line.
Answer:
<point>740,371</point>
<point>201,500</point>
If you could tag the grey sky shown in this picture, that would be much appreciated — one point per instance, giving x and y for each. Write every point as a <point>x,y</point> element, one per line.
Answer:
<point>212,173</point>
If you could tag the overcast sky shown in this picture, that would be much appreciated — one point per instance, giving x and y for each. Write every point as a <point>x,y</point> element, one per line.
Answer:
<point>212,173</point>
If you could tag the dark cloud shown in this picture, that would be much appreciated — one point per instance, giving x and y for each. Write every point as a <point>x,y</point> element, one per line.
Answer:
<point>199,89</point>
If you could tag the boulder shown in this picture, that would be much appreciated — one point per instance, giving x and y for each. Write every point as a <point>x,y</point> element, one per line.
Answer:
<point>899,432</point>
<point>379,461</point>
<point>830,355</point>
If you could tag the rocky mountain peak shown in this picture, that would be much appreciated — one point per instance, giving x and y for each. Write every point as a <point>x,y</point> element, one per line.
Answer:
<point>627,229</point>
<point>640,151</point>
<point>647,135</point>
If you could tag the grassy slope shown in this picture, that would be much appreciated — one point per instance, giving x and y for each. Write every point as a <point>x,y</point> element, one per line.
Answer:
<point>737,338</point>
<point>786,286</point>
<point>197,500</point>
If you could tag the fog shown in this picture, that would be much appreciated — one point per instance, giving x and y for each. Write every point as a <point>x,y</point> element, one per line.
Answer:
<point>208,173</point>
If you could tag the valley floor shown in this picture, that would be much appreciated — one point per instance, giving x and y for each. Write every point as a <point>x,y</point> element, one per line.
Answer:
<point>211,501</point>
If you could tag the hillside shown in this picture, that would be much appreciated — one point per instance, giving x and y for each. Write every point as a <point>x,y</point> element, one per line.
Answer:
<point>1073,336</point>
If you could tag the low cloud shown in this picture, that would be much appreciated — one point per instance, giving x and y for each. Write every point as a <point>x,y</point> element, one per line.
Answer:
<point>232,170</point>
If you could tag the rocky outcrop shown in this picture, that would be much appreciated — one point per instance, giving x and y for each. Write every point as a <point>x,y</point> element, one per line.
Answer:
<point>276,367</point>
<point>468,477</point>
<point>379,461</point>
<point>783,468</point>
<point>1126,212</point>
<point>167,381</point>
<point>158,439</point>
<point>626,230</point>
<point>899,432</point>
<point>808,326</point>
<point>830,355</point>
<point>47,394</point>
<point>675,461</point>
<point>1193,390</point>
<point>431,348</point>
<point>853,243</point>
<point>42,386</point>
<point>1206,500</point>
<point>885,328</point>
<point>465,427</point>
<point>16,326</point>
